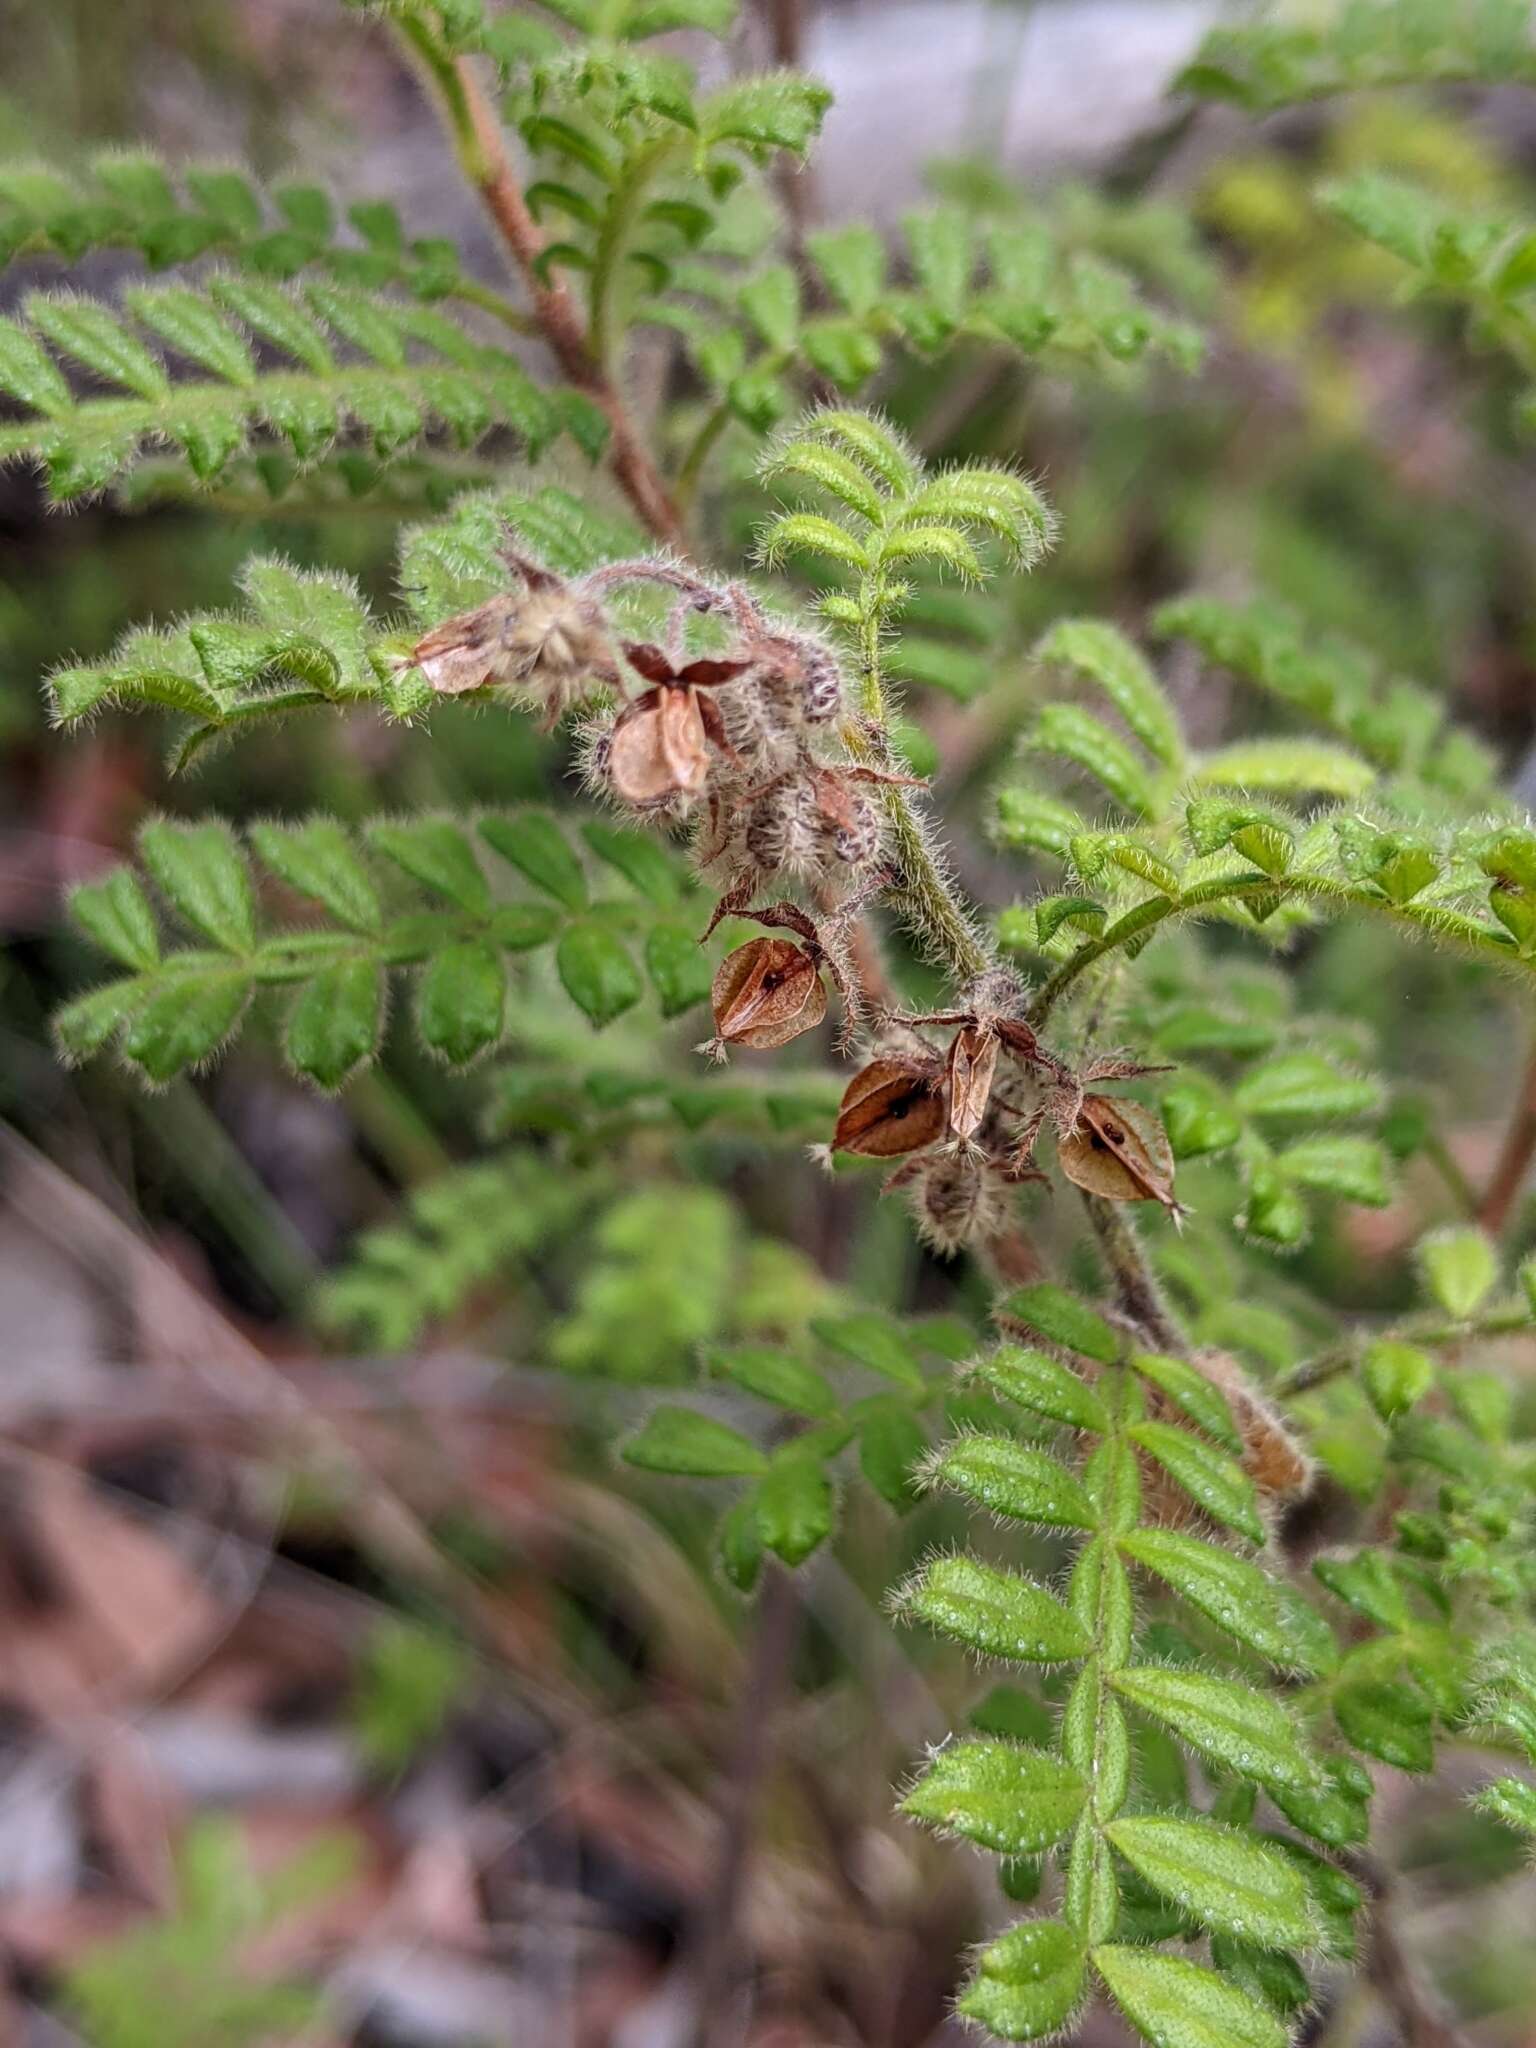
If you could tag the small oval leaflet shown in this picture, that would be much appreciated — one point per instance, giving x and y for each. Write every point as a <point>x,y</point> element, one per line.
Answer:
<point>1043,1384</point>
<point>1211,1480</point>
<point>1238,1597</point>
<point>1028,1983</point>
<point>1011,1479</point>
<point>1178,2004</point>
<point>1010,1799</point>
<point>996,1613</point>
<point>1229,1722</point>
<point>1225,1878</point>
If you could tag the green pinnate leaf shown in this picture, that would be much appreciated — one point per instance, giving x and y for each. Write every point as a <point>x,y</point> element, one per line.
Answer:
<point>891,1446</point>
<point>680,970</point>
<point>1027,1984</point>
<point>778,1376</point>
<point>684,1442</point>
<point>185,1020</point>
<point>29,373</point>
<point>1307,1085</point>
<point>795,1505</point>
<point>275,316</point>
<point>1237,1596</point>
<point>1233,1724</point>
<point>319,860</point>
<point>1190,1390</point>
<point>1034,1380</point>
<point>771,301</point>
<point>1177,2004</point>
<point>1338,1163</point>
<point>461,1002</point>
<point>96,338</point>
<point>852,262</point>
<point>1511,1800</point>
<point>439,856</point>
<point>535,845</point>
<point>596,972</point>
<point>994,1613</point>
<point>200,870</point>
<point>874,1341</point>
<point>1213,1481</point>
<point>1337,1813</point>
<point>1063,1320</point>
<point>1460,1268</point>
<point>1388,1718</point>
<point>1078,736</point>
<point>1010,1799</point>
<point>1286,765</point>
<point>1011,1479</point>
<point>1367,1583</point>
<point>1100,652</point>
<point>776,111</point>
<point>1030,819</point>
<point>644,864</point>
<point>117,914</point>
<point>82,1027</point>
<point>335,1024</point>
<point>1225,1878</point>
<point>195,329</point>
<point>739,1544</point>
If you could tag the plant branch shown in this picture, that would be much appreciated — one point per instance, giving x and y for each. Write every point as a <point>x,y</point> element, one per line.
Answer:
<point>924,894</point>
<point>1240,888</point>
<point>1339,1359</point>
<point>481,151</point>
<point>1515,1156</point>
<point>1136,1285</point>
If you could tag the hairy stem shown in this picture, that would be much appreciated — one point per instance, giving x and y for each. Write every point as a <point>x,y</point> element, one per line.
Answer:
<point>924,894</point>
<point>482,154</point>
<point>1339,1359</point>
<point>1136,1285</point>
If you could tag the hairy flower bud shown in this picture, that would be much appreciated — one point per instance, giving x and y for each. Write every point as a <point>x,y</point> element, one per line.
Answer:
<point>766,993</point>
<point>958,1198</point>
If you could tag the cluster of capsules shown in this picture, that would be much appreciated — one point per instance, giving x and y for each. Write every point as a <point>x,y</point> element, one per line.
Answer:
<point>750,741</point>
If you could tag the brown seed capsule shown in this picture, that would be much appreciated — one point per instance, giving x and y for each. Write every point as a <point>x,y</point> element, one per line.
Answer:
<point>1120,1151</point>
<point>659,750</point>
<point>894,1105</point>
<point>766,993</point>
<point>972,1064</point>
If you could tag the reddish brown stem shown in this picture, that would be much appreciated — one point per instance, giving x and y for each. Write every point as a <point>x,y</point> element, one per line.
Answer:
<point>483,153</point>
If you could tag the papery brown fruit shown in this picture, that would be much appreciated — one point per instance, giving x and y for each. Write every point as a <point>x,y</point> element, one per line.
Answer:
<point>766,993</point>
<point>1120,1151</point>
<point>892,1106</point>
<point>657,751</point>
<point>546,640</point>
<point>972,1065</point>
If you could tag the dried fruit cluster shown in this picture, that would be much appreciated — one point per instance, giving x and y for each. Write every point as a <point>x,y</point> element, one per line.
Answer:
<point>750,744</point>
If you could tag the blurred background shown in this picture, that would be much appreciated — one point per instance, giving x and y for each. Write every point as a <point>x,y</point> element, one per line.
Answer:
<point>346,1695</point>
